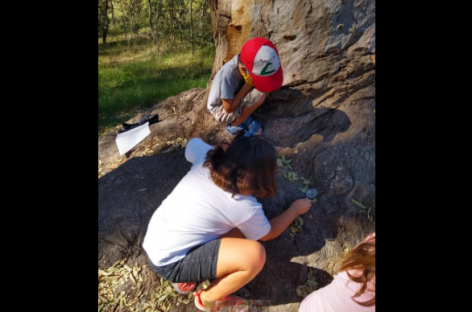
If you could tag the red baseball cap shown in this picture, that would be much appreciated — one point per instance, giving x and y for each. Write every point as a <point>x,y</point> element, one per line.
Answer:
<point>261,58</point>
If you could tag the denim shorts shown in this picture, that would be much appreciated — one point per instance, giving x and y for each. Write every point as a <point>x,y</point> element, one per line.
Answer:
<point>198,265</point>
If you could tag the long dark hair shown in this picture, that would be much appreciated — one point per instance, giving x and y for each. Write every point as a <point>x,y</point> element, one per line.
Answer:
<point>247,167</point>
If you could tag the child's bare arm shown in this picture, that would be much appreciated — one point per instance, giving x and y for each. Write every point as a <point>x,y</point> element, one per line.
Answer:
<point>230,105</point>
<point>246,111</point>
<point>280,223</point>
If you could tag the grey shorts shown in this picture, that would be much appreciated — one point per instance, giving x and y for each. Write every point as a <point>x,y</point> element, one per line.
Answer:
<point>198,265</point>
<point>222,116</point>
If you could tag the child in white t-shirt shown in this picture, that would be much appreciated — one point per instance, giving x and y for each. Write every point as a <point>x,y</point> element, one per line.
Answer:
<point>208,227</point>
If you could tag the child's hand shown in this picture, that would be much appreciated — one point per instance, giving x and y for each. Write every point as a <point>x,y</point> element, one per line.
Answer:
<point>303,205</point>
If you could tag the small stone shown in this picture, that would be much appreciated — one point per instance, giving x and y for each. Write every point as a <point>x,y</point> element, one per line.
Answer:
<point>311,193</point>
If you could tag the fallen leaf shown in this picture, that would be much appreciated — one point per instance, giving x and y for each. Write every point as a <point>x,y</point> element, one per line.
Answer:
<point>291,176</point>
<point>279,163</point>
<point>286,161</point>
<point>103,273</point>
<point>312,282</point>
<point>300,220</point>
<point>142,190</point>
<point>103,299</point>
<point>162,298</point>
<point>301,290</point>
<point>110,278</point>
<point>303,189</point>
<point>358,203</point>
<point>369,216</point>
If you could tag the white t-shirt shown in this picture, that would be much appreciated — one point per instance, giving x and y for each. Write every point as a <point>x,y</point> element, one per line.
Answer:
<point>197,211</point>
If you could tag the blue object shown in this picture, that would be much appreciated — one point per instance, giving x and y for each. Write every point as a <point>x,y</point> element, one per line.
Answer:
<point>311,193</point>
<point>250,127</point>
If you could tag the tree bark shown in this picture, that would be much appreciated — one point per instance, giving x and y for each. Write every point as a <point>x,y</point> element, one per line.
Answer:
<point>158,9</point>
<point>112,12</point>
<point>171,17</point>
<point>105,28</point>
<point>151,24</point>
<point>201,19</point>
<point>154,24</point>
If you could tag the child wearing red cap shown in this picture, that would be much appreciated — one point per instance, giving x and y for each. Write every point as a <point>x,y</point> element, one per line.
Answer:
<point>242,85</point>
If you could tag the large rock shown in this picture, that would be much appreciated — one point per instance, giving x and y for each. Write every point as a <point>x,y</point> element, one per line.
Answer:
<point>322,118</point>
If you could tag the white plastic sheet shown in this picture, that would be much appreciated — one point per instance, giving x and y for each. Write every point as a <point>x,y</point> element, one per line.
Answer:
<point>127,140</point>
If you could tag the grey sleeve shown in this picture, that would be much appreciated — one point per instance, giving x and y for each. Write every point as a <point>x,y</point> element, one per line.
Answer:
<point>226,86</point>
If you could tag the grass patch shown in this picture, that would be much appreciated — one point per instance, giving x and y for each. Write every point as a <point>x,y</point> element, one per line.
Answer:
<point>136,76</point>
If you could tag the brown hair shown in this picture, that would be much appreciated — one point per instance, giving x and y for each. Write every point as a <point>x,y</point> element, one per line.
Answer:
<point>247,167</point>
<point>361,258</point>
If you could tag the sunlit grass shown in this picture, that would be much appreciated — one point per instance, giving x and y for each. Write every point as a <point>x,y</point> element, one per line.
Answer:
<point>139,76</point>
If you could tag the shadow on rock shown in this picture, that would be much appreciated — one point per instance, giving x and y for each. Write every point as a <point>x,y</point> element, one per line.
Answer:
<point>290,118</point>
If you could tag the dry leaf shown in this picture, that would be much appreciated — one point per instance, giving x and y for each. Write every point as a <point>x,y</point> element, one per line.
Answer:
<point>103,299</point>
<point>301,290</point>
<point>312,282</point>
<point>279,163</point>
<point>358,203</point>
<point>304,189</point>
<point>101,272</point>
<point>286,161</point>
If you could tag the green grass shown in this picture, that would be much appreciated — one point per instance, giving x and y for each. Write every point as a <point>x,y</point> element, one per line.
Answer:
<point>137,77</point>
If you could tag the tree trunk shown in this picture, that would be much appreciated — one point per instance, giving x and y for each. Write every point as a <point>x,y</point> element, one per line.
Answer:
<point>131,29</point>
<point>112,13</point>
<point>180,18</point>
<point>191,25</point>
<point>105,28</point>
<point>326,51</point>
<point>201,19</point>
<point>154,24</point>
<point>171,17</point>
<point>151,24</point>
<point>158,9</point>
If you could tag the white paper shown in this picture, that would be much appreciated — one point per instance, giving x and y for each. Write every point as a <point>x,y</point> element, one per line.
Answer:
<point>127,140</point>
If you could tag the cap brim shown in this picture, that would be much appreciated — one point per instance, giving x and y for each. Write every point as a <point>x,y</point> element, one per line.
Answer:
<point>268,83</point>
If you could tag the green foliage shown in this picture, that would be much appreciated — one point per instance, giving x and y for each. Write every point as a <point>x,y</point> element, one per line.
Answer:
<point>147,57</point>
<point>141,83</point>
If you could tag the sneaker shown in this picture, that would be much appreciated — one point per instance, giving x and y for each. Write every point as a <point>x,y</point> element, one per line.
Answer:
<point>228,303</point>
<point>185,288</point>
<point>255,128</point>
